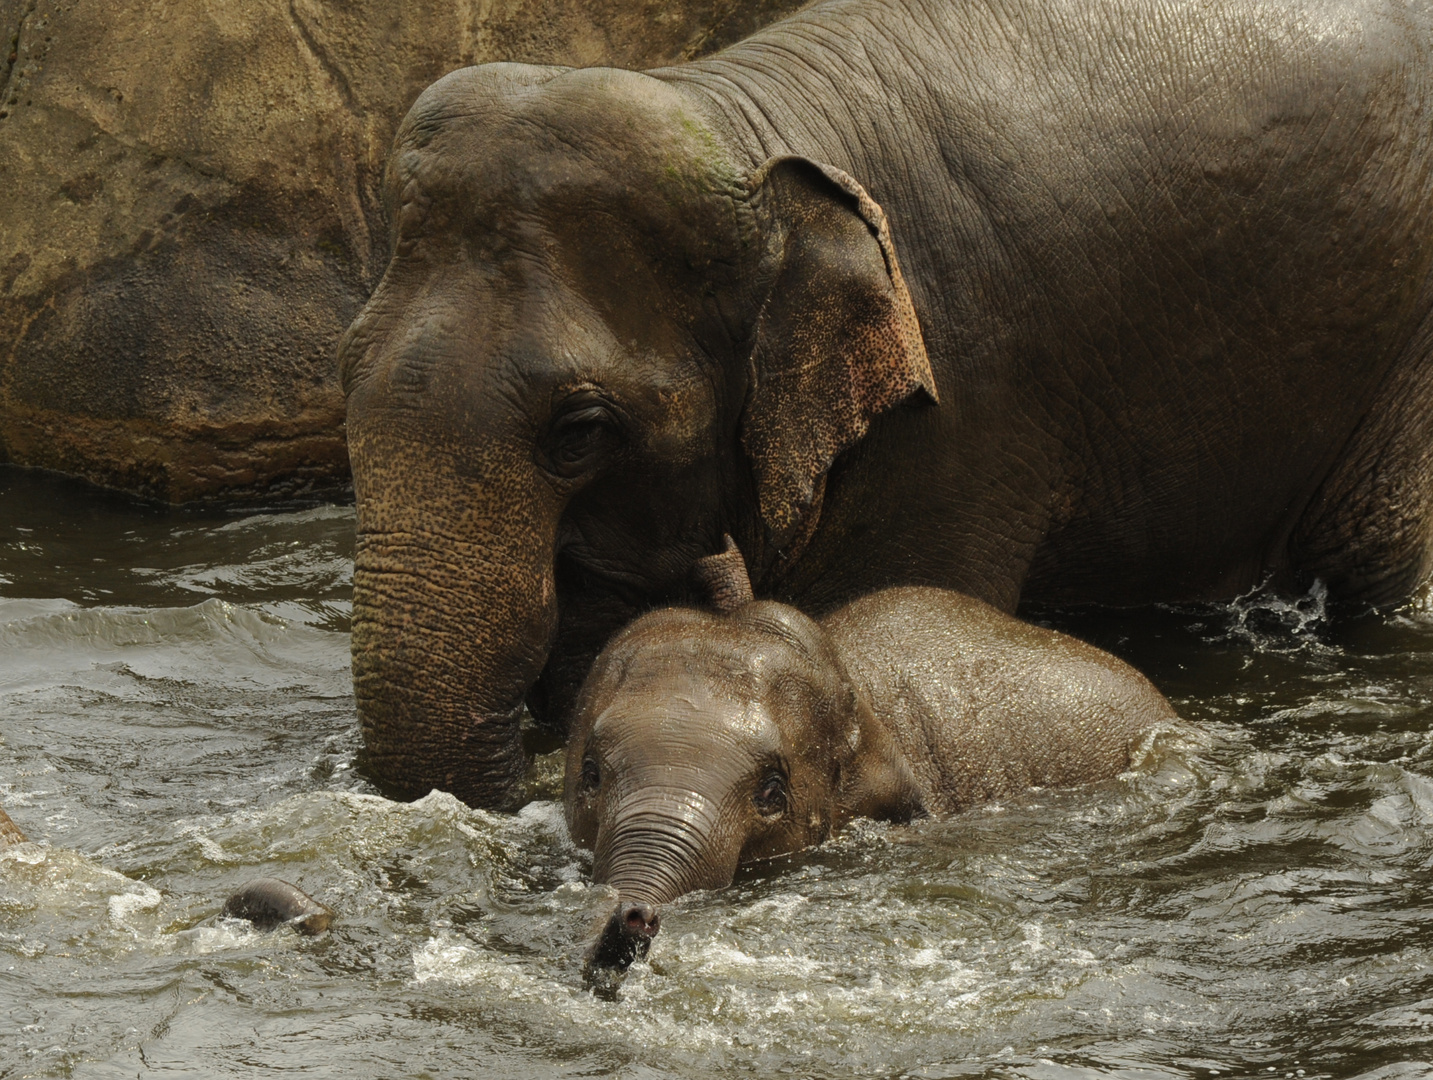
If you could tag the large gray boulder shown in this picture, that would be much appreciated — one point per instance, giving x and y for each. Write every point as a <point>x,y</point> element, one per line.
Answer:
<point>192,212</point>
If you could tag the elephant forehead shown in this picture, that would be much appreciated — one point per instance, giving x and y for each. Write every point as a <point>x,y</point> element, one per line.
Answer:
<point>752,649</point>
<point>582,143</point>
<point>678,711</point>
<point>703,654</point>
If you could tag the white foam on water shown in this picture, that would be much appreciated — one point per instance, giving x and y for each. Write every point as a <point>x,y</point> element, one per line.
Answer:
<point>225,935</point>
<point>23,610</point>
<point>136,897</point>
<point>1270,620</point>
<point>446,958</point>
<point>211,849</point>
<point>31,852</point>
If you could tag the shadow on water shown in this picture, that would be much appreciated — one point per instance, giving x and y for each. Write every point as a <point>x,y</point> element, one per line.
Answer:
<point>175,718</point>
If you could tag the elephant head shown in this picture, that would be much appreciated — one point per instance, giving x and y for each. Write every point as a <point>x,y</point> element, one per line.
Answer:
<point>703,740</point>
<point>602,341</point>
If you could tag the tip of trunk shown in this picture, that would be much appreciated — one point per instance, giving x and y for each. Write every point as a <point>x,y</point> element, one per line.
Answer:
<point>626,938</point>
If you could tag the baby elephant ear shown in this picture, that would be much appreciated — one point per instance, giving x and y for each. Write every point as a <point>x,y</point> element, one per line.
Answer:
<point>723,579</point>
<point>837,341</point>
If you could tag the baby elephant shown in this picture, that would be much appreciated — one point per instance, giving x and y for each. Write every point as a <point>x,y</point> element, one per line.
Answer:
<point>707,739</point>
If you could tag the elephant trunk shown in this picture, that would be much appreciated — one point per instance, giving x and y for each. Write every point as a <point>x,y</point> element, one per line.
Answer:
<point>447,638</point>
<point>661,843</point>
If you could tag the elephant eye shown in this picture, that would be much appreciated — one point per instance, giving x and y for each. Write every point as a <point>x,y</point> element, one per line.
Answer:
<point>579,438</point>
<point>591,778</point>
<point>770,797</point>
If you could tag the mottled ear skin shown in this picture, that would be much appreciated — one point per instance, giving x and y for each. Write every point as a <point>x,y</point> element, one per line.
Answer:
<point>837,341</point>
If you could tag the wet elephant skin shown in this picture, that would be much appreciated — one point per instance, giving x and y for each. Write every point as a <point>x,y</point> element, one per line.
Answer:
<point>1113,302</point>
<point>705,740</point>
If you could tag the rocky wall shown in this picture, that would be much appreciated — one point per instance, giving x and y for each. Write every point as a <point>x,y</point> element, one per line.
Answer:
<point>192,215</point>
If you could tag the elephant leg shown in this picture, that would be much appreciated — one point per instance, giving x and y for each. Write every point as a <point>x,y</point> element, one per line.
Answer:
<point>1368,532</point>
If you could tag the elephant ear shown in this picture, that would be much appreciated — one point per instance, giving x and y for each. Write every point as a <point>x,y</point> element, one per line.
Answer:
<point>837,341</point>
<point>876,782</point>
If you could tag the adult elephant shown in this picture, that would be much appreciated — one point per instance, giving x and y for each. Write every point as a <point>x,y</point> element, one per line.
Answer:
<point>1159,330</point>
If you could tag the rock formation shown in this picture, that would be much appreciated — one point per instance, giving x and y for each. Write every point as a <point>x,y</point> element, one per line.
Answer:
<point>192,212</point>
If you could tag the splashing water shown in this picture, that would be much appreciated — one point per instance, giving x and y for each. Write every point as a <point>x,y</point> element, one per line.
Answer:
<point>1267,620</point>
<point>176,718</point>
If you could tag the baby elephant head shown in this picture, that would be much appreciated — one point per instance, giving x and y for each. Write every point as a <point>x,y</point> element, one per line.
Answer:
<point>704,739</point>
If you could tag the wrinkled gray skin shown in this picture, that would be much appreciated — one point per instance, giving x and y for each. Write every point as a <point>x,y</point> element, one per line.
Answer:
<point>702,741</point>
<point>1100,300</point>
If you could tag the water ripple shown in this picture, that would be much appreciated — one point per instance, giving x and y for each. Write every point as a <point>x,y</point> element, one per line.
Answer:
<point>1252,899</point>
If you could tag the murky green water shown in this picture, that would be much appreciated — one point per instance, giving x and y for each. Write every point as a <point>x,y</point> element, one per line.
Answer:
<point>175,718</point>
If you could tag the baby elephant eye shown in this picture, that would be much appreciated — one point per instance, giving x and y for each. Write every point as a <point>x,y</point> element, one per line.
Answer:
<point>591,778</point>
<point>770,797</point>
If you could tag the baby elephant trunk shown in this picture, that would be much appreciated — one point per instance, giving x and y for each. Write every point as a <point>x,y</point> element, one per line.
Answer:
<point>659,844</point>
<point>626,937</point>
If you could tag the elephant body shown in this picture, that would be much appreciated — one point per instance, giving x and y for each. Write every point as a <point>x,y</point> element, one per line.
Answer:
<point>1172,268</point>
<point>981,705</point>
<point>1092,301</point>
<point>704,740</point>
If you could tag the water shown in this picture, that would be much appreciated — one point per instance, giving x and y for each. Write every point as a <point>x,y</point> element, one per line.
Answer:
<point>175,718</point>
